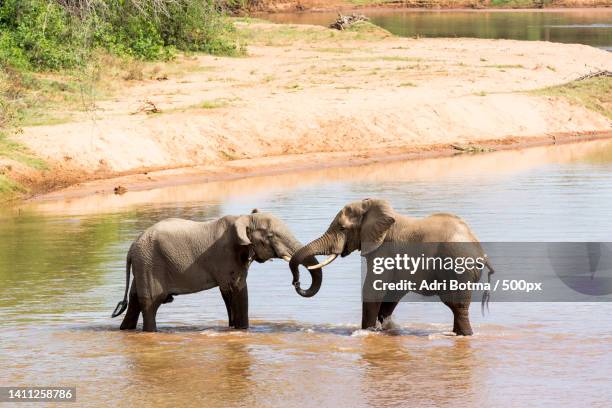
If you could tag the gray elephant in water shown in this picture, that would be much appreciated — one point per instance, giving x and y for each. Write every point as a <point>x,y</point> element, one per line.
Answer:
<point>176,257</point>
<point>365,225</point>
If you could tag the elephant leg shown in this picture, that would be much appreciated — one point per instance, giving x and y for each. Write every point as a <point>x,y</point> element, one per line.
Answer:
<point>240,307</point>
<point>461,318</point>
<point>386,310</point>
<point>227,299</point>
<point>149,312</point>
<point>133,312</point>
<point>369,314</point>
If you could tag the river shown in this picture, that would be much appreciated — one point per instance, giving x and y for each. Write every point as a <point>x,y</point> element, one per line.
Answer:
<point>62,273</point>
<point>585,26</point>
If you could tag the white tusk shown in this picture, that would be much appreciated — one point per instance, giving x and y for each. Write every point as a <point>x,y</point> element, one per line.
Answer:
<point>324,263</point>
<point>286,258</point>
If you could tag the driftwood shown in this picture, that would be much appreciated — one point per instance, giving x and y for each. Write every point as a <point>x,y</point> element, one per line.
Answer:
<point>345,21</point>
<point>147,107</point>
<point>120,190</point>
<point>595,75</point>
<point>472,148</point>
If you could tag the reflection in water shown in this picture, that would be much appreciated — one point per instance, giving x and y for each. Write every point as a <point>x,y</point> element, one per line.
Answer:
<point>50,262</point>
<point>476,167</point>
<point>61,270</point>
<point>178,367</point>
<point>46,262</point>
<point>590,27</point>
<point>399,370</point>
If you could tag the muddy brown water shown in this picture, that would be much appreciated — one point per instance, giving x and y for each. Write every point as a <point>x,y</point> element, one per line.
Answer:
<point>62,273</point>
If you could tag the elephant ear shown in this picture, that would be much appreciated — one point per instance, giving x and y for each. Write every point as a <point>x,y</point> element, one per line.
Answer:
<point>241,226</point>
<point>377,219</point>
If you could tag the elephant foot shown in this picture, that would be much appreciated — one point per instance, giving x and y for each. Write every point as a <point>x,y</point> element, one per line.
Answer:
<point>465,332</point>
<point>131,317</point>
<point>461,318</point>
<point>149,313</point>
<point>462,326</point>
<point>128,325</point>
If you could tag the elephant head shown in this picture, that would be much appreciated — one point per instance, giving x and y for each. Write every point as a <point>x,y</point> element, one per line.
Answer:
<point>361,225</point>
<point>268,237</point>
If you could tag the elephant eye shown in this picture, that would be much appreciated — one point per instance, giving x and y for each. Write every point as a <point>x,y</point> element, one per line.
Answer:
<point>342,228</point>
<point>269,235</point>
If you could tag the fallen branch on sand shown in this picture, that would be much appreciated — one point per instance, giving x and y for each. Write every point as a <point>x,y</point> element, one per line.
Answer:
<point>147,107</point>
<point>345,21</point>
<point>596,74</point>
<point>472,148</point>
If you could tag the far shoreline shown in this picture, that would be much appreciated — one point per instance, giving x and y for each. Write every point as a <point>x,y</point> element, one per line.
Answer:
<point>389,7</point>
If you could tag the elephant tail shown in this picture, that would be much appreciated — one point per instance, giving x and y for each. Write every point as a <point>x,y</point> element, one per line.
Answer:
<point>486,296</point>
<point>121,306</point>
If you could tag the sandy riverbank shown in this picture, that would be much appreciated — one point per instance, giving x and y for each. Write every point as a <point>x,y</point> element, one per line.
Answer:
<point>306,96</point>
<point>296,164</point>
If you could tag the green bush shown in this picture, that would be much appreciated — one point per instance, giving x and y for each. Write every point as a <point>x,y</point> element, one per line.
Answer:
<point>196,26</point>
<point>56,34</point>
<point>10,52</point>
<point>35,33</point>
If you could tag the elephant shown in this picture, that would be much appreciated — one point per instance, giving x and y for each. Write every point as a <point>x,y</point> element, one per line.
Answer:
<point>365,225</point>
<point>177,257</point>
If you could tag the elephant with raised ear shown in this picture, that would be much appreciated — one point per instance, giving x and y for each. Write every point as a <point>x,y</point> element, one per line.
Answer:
<point>177,257</point>
<point>365,225</point>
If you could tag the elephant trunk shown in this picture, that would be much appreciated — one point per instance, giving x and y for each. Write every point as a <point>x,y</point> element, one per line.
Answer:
<point>306,256</point>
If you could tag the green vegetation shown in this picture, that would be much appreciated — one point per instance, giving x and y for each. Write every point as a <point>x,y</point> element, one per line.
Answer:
<point>53,51</point>
<point>8,187</point>
<point>55,54</point>
<point>17,152</point>
<point>57,34</point>
<point>594,94</point>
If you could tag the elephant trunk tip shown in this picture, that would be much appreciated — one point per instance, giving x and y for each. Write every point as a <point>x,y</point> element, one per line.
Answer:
<point>317,278</point>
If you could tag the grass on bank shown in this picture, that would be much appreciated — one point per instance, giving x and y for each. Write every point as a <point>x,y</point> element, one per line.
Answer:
<point>9,188</point>
<point>594,93</point>
<point>57,57</point>
<point>14,152</point>
<point>279,35</point>
<point>54,52</point>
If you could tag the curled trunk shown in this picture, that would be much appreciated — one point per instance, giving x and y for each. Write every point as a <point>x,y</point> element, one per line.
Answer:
<point>306,256</point>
